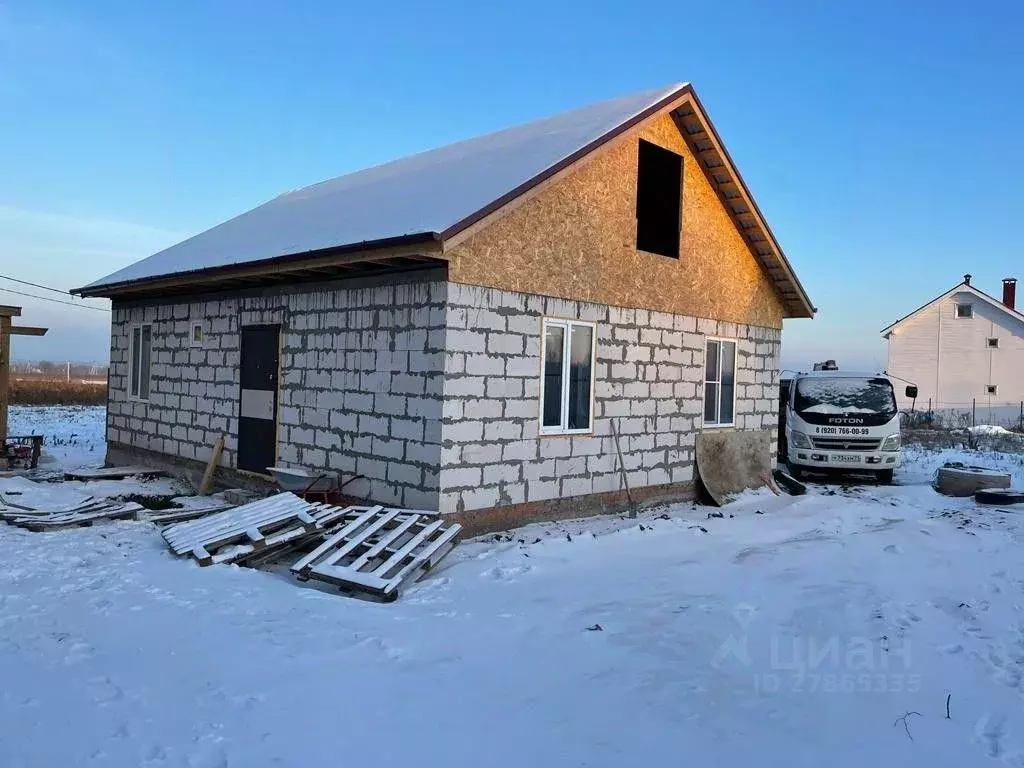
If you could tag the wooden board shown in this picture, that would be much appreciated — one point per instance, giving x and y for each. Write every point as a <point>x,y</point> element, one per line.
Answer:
<point>112,473</point>
<point>87,513</point>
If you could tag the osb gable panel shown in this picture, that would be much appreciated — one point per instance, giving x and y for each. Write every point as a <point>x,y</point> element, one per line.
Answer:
<point>576,239</point>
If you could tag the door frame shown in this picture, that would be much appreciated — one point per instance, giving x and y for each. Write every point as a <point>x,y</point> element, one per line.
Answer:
<point>277,398</point>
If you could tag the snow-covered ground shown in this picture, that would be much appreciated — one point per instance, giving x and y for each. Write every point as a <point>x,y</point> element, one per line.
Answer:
<point>794,631</point>
<point>73,435</point>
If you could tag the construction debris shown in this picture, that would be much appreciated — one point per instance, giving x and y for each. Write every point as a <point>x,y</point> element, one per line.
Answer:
<point>958,479</point>
<point>168,516</point>
<point>113,473</point>
<point>83,513</point>
<point>232,535</point>
<point>380,550</point>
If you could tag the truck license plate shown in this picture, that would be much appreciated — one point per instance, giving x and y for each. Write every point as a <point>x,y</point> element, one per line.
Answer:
<point>846,458</point>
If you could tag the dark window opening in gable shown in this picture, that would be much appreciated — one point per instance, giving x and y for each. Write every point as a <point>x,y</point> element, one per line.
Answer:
<point>658,183</point>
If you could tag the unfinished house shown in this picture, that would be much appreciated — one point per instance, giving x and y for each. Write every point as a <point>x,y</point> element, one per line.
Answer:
<point>459,329</point>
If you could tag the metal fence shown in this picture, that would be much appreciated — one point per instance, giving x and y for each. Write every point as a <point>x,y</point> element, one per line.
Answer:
<point>943,414</point>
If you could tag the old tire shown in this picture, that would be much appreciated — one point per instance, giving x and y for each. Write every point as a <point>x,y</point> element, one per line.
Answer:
<point>966,481</point>
<point>796,472</point>
<point>884,476</point>
<point>999,496</point>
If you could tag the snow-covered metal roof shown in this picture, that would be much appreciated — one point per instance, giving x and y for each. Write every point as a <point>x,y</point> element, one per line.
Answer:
<point>424,194</point>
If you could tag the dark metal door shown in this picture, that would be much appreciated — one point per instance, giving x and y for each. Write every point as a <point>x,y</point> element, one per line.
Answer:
<point>257,412</point>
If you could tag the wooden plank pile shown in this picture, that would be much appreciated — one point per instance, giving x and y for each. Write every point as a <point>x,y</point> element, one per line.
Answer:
<point>367,549</point>
<point>380,550</point>
<point>179,515</point>
<point>82,513</point>
<point>234,535</point>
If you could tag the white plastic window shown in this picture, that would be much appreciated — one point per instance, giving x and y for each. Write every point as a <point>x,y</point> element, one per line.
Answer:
<point>140,356</point>
<point>567,377</point>
<point>719,382</point>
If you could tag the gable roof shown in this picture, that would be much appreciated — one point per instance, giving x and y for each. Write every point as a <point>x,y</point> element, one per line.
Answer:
<point>960,287</point>
<point>429,197</point>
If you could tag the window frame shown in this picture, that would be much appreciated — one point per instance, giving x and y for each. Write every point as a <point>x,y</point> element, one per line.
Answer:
<point>192,334</point>
<point>968,306</point>
<point>704,383</point>
<point>567,324</point>
<point>136,394</point>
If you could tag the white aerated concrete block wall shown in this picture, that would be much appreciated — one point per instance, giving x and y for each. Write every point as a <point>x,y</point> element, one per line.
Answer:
<point>649,375</point>
<point>360,383</point>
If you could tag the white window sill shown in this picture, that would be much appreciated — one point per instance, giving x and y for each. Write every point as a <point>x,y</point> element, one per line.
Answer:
<point>731,425</point>
<point>566,432</point>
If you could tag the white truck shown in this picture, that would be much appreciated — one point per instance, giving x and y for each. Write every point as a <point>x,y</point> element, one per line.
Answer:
<point>837,420</point>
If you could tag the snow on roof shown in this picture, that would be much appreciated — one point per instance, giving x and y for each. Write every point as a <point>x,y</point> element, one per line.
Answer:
<point>421,194</point>
<point>839,375</point>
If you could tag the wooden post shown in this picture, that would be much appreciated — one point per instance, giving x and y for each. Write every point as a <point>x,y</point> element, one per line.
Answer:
<point>5,376</point>
<point>622,469</point>
<point>6,332</point>
<point>211,467</point>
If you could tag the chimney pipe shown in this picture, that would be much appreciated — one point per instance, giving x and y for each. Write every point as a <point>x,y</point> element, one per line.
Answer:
<point>967,279</point>
<point>1010,292</point>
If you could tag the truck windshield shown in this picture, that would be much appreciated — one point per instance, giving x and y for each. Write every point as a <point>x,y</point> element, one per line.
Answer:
<point>844,395</point>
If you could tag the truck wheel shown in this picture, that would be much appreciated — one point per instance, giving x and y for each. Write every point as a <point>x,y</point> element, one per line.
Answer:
<point>885,476</point>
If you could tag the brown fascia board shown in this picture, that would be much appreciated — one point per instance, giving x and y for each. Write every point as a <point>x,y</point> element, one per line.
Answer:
<point>805,300</point>
<point>268,266</point>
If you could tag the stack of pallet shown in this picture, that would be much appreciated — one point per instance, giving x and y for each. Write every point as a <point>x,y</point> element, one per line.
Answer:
<point>86,512</point>
<point>372,550</point>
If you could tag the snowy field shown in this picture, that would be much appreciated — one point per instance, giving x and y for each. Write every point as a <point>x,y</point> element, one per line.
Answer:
<point>796,631</point>
<point>73,434</point>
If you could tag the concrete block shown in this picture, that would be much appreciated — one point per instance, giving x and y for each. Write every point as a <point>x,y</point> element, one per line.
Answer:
<point>463,432</point>
<point>482,453</point>
<point>461,477</point>
<point>484,365</point>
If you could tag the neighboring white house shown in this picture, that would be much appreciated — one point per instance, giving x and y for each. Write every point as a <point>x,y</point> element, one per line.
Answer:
<point>962,348</point>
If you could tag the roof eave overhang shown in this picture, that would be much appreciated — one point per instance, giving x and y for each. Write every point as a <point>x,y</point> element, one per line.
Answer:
<point>407,251</point>
<point>726,180</point>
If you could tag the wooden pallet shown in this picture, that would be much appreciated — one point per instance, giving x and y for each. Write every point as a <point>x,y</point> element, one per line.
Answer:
<point>169,516</point>
<point>380,550</point>
<point>228,536</point>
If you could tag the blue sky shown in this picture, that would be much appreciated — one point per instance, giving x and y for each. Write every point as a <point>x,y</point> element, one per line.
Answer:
<point>881,140</point>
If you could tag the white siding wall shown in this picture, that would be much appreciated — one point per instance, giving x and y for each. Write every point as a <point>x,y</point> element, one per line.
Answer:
<point>913,352</point>
<point>948,357</point>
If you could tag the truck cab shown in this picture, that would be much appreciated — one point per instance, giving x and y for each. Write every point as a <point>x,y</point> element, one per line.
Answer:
<point>838,420</point>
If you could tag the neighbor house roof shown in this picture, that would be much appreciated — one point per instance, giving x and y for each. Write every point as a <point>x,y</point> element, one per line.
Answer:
<point>429,197</point>
<point>962,287</point>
